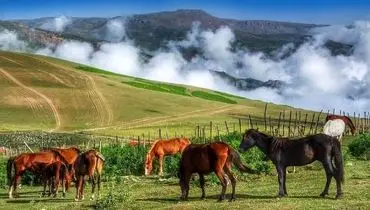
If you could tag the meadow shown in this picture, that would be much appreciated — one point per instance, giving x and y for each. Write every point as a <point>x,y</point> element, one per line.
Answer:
<point>125,187</point>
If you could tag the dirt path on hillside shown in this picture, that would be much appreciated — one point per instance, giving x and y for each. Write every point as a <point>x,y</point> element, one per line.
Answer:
<point>154,120</point>
<point>12,61</point>
<point>48,100</point>
<point>99,103</point>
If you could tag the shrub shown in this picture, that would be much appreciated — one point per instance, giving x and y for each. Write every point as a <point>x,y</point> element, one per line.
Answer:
<point>114,199</point>
<point>360,147</point>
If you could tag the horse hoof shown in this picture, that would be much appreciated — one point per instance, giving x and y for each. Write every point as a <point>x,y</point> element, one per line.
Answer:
<point>92,197</point>
<point>220,199</point>
<point>203,197</point>
<point>280,195</point>
<point>231,199</point>
<point>76,199</point>
<point>338,196</point>
<point>323,194</point>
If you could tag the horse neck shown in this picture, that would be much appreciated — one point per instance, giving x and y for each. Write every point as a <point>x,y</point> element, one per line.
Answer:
<point>350,124</point>
<point>263,143</point>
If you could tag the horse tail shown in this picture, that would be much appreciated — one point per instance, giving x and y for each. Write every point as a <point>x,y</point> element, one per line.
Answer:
<point>100,156</point>
<point>236,160</point>
<point>9,167</point>
<point>338,161</point>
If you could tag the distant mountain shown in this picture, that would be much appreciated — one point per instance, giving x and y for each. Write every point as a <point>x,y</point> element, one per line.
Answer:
<point>151,31</point>
<point>248,83</point>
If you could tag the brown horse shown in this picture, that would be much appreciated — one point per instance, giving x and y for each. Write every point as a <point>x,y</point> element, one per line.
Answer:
<point>87,164</point>
<point>299,152</point>
<point>69,154</point>
<point>34,162</point>
<point>56,170</point>
<point>345,119</point>
<point>203,159</point>
<point>160,149</point>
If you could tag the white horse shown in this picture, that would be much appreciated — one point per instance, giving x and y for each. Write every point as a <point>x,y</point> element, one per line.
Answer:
<point>335,128</point>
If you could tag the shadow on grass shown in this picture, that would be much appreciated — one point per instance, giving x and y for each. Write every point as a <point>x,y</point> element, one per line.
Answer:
<point>238,197</point>
<point>211,197</point>
<point>49,200</point>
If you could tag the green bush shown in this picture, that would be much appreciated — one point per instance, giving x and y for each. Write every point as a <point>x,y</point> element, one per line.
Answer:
<point>115,199</point>
<point>360,147</point>
<point>253,158</point>
<point>128,160</point>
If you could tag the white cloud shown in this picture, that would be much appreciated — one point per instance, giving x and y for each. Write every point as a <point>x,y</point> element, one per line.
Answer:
<point>9,41</point>
<point>57,24</point>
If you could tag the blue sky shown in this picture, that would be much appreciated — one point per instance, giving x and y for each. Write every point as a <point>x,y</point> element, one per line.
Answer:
<point>310,11</point>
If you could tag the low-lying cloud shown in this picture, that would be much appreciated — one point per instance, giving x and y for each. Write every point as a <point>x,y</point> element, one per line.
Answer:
<point>57,24</point>
<point>314,77</point>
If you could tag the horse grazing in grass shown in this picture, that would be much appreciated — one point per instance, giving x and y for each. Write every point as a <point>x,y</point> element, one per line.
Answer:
<point>57,170</point>
<point>87,164</point>
<point>203,159</point>
<point>160,149</point>
<point>69,154</point>
<point>335,126</point>
<point>34,162</point>
<point>303,151</point>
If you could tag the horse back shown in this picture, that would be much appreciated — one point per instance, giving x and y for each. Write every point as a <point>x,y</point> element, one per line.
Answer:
<point>201,158</point>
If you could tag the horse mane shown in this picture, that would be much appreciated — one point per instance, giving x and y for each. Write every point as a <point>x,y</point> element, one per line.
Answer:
<point>57,153</point>
<point>277,143</point>
<point>151,148</point>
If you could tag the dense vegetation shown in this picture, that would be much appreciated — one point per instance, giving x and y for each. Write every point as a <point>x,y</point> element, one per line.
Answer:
<point>360,147</point>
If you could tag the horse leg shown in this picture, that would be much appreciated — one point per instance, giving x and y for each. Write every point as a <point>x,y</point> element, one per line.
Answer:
<point>78,188</point>
<point>57,180</point>
<point>329,171</point>
<point>45,181</point>
<point>202,182</point>
<point>284,182</point>
<point>280,169</point>
<point>184,183</point>
<point>160,158</point>
<point>92,179</point>
<point>233,182</point>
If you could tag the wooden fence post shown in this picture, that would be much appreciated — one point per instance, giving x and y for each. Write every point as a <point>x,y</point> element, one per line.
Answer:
<point>283,123</point>
<point>160,133</point>
<point>264,116</point>
<point>312,122</point>
<point>227,127</point>
<point>278,126</point>
<point>240,125</point>
<point>290,119</point>
<point>250,121</point>
<point>317,122</point>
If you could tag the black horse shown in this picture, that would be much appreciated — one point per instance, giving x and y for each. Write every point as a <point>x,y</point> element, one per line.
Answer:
<point>284,152</point>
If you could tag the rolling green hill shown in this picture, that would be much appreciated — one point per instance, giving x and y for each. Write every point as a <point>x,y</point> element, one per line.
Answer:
<point>42,93</point>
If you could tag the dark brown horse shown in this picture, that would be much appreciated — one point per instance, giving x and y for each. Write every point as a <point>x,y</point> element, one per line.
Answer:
<point>34,162</point>
<point>56,170</point>
<point>203,159</point>
<point>87,164</point>
<point>345,119</point>
<point>283,152</point>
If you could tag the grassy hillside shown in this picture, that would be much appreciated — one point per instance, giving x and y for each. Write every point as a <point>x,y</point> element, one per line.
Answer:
<point>41,93</point>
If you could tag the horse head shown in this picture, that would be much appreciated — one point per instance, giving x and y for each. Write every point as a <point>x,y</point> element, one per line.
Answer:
<point>248,140</point>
